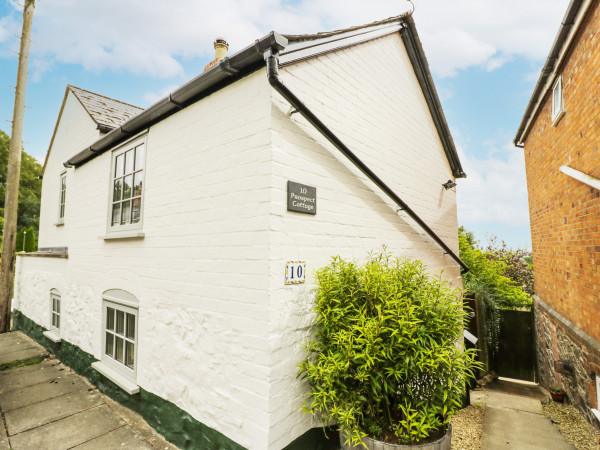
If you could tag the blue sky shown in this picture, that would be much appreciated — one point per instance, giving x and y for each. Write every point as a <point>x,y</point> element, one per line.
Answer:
<point>485,57</point>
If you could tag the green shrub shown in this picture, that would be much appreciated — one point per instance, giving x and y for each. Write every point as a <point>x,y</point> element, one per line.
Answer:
<point>386,359</point>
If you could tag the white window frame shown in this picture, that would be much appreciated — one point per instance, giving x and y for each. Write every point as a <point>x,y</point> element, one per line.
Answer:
<point>123,301</point>
<point>558,100</point>
<point>135,143</point>
<point>53,332</point>
<point>62,197</point>
<point>55,298</point>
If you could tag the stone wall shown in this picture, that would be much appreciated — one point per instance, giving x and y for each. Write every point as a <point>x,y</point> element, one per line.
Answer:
<point>559,339</point>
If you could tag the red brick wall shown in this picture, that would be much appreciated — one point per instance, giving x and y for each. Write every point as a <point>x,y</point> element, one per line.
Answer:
<point>565,213</point>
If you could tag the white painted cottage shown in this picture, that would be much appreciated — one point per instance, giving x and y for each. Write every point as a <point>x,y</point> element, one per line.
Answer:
<point>165,233</point>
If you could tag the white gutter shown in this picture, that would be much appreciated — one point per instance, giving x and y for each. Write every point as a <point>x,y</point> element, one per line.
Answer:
<point>583,177</point>
<point>557,64</point>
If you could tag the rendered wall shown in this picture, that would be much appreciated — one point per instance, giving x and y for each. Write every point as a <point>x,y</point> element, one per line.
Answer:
<point>75,131</point>
<point>198,273</point>
<point>565,215</point>
<point>369,96</point>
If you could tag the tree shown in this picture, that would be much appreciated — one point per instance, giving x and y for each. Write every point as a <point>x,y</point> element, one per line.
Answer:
<point>30,186</point>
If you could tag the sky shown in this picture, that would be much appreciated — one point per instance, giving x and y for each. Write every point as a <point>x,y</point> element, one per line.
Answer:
<point>485,57</point>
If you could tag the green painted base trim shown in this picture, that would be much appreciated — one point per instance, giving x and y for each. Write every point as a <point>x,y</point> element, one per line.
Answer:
<point>317,439</point>
<point>168,419</point>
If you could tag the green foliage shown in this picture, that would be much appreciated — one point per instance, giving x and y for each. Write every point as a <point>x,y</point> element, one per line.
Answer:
<point>385,360</point>
<point>26,240</point>
<point>486,277</point>
<point>518,263</point>
<point>30,186</point>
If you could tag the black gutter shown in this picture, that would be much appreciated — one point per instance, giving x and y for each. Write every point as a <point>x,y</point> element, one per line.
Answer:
<point>416,54</point>
<point>565,26</point>
<point>275,81</point>
<point>227,71</point>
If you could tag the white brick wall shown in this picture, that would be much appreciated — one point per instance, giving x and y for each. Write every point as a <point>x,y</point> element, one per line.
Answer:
<point>77,130</point>
<point>369,96</point>
<point>219,332</point>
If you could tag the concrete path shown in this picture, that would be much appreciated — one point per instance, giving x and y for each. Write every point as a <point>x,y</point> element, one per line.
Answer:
<point>45,405</point>
<point>514,418</point>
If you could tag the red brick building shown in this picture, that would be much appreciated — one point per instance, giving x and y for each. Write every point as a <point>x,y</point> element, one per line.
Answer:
<point>560,133</point>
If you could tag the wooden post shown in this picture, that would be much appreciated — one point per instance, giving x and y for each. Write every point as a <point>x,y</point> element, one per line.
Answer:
<point>7,267</point>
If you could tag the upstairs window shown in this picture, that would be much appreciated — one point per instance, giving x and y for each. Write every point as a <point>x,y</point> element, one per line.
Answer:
<point>558,106</point>
<point>127,187</point>
<point>62,197</point>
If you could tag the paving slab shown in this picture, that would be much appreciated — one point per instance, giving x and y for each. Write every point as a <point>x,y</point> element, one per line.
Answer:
<point>505,428</point>
<point>48,406</point>
<point>499,400</point>
<point>24,354</point>
<point>42,413</point>
<point>514,418</point>
<point>29,375</point>
<point>70,431</point>
<point>28,395</point>
<point>123,437</point>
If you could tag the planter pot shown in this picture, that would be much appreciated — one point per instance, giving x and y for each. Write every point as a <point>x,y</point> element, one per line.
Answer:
<point>558,396</point>
<point>441,444</point>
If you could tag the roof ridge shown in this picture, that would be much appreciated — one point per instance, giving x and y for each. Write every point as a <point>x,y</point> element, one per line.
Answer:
<point>70,86</point>
<point>321,34</point>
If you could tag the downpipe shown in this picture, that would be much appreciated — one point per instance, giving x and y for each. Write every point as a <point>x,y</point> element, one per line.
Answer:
<point>272,59</point>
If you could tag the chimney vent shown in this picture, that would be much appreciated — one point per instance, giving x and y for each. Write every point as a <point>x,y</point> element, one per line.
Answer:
<point>221,47</point>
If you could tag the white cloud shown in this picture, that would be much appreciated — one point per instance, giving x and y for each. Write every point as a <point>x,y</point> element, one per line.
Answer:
<point>495,191</point>
<point>153,37</point>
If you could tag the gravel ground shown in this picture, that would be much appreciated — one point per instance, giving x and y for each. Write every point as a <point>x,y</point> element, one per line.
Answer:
<point>573,426</point>
<point>467,429</point>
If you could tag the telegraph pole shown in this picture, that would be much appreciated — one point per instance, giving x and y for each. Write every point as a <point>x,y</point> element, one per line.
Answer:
<point>7,267</point>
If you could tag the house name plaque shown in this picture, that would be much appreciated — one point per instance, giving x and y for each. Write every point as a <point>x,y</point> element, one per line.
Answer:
<point>301,198</point>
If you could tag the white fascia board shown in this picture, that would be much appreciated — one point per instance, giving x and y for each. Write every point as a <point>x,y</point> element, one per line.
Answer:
<point>307,49</point>
<point>580,176</point>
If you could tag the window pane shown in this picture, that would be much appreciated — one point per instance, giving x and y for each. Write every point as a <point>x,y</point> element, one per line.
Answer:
<point>129,354</point>
<point>110,319</point>
<point>118,349</point>
<point>129,161</point>
<point>139,157</point>
<point>118,190</point>
<point>120,322</point>
<point>130,326</point>
<point>135,210</point>
<point>116,214</point>
<point>58,305</point>
<point>127,187</point>
<point>62,211</point>
<point>62,196</point>
<point>109,344</point>
<point>63,182</point>
<point>125,212</point>
<point>119,166</point>
<point>57,321</point>
<point>137,184</point>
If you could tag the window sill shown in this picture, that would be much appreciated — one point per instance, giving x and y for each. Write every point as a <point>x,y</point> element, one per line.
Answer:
<point>52,336</point>
<point>59,224</point>
<point>124,235</point>
<point>120,380</point>
<point>558,117</point>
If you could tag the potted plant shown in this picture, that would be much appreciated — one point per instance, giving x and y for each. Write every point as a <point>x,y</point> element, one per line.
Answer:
<point>387,362</point>
<point>557,394</point>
